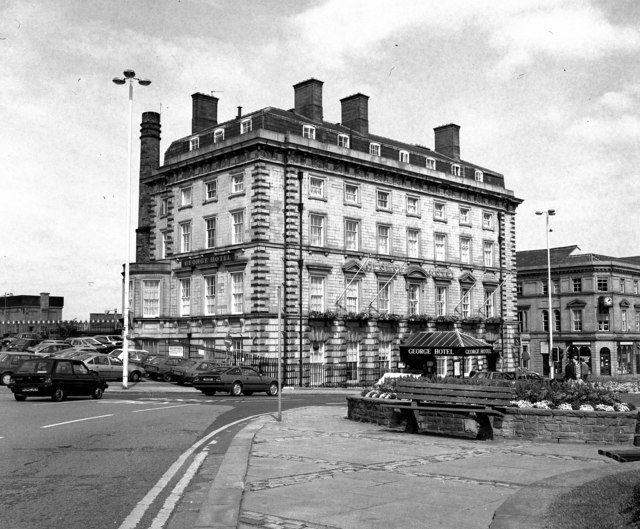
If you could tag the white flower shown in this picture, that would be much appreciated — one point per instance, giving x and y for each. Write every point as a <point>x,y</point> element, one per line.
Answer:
<point>543,404</point>
<point>565,406</point>
<point>522,403</point>
<point>621,407</point>
<point>586,407</point>
<point>604,407</point>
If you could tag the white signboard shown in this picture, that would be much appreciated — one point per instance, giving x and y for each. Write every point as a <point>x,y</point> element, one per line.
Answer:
<point>176,350</point>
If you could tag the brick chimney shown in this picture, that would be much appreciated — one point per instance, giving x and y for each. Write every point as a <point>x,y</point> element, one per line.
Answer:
<point>447,140</point>
<point>308,99</point>
<point>355,113</point>
<point>149,161</point>
<point>204,112</point>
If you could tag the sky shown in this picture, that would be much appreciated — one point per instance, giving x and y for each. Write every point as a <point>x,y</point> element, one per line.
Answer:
<point>546,93</point>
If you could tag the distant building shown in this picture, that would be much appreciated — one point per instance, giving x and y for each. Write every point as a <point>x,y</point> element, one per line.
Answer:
<point>27,310</point>
<point>595,310</point>
<point>367,238</point>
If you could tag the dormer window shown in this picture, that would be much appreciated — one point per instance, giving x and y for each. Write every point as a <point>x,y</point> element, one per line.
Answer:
<point>218,135</point>
<point>479,176</point>
<point>246,126</point>
<point>194,143</point>
<point>431,163</point>
<point>403,156</point>
<point>309,132</point>
<point>374,149</point>
<point>456,170</point>
<point>343,141</point>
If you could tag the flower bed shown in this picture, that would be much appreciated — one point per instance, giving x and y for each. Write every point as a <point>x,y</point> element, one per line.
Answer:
<point>543,410</point>
<point>558,425</point>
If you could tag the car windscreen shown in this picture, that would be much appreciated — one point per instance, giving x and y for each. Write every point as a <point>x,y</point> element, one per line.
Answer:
<point>33,367</point>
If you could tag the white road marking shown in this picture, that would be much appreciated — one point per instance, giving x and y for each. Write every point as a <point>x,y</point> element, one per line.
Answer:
<point>138,512</point>
<point>77,420</point>
<point>165,407</point>
<point>176,493</point>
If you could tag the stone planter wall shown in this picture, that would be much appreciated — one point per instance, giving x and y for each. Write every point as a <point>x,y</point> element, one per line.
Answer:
<point>518,423</point>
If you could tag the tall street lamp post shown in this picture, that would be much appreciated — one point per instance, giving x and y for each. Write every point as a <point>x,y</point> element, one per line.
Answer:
<point>129,77</point>
<point>548,213</point>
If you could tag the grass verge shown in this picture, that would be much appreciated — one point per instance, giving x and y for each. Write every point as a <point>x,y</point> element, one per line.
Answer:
<point>607,503</point>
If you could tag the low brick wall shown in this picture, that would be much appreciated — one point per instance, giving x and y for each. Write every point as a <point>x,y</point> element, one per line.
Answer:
<point>518,423</point>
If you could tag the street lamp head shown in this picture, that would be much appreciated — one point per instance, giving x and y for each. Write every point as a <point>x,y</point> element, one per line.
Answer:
<point>129,73</point>
<point>144,82</point>
<point>119,80</point>
<point>552,212</point>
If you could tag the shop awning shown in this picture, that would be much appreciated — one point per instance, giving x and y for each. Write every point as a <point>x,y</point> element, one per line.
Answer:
<point>443,343</point>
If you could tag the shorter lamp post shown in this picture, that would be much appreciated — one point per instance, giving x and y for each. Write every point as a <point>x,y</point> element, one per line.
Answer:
<point>548,213</point>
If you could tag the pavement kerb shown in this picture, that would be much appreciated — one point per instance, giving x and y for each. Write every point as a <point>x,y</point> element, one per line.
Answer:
<point>221,507</point>
<point>527,508</point>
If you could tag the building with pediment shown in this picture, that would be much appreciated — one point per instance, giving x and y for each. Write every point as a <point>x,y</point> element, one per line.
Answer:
<point>595,310</point>
<point>358,238</point>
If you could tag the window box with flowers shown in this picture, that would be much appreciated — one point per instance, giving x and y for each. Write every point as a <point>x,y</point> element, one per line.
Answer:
<point>446,323</point>
<point>389,318</point>
<point>319,315</point>
<point>357,316</point>
<point>472,322</point>
<point>420,318</point>
<point>494,321</point>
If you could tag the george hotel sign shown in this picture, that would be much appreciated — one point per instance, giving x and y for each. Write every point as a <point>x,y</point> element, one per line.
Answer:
<point>395,268</point>
<point>213,258</point>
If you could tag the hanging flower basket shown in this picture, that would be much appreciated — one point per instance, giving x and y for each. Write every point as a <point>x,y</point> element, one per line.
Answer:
<point>357,316</point>
<point>494,320</point>
<point>391,318</point>
<point>420,318</point>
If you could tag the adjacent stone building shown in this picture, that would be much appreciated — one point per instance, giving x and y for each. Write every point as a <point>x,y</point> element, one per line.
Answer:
<point>365,239</point>
<point>595,310</point>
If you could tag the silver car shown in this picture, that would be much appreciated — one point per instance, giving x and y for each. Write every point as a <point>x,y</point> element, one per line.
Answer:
<point>110,368</point>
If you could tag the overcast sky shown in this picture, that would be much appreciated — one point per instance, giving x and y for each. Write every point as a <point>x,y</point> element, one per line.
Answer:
<point>546,93</point>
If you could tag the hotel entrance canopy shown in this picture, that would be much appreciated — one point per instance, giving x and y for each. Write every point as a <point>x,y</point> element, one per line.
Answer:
<point>443,343</point>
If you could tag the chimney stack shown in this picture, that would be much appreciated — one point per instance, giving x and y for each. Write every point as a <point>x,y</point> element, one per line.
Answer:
<point>204,113</point>
<point>149,161</point>
<point>308,99</point>
<point>355,113</point>
<point>447,140</point>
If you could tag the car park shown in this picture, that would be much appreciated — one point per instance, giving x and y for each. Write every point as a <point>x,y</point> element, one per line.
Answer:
<point>88,343</point>
<point>9,362</point>
<point>110,368</point>
<point>56,378</point>
<point>184,373</point>
<point>235,380</point>
<point>160,368</point>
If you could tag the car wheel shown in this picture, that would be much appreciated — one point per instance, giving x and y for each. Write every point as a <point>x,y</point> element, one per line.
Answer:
<point>166,377</point>
<point>19,398</point>
<point>97,393</point>
<point>5,379</point>
<point>273,389</point>
<point>58,395</point>
<point>134,376</point>
<point>236,389</point>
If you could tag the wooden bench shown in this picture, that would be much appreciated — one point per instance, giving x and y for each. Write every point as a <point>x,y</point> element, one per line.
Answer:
<point>623,456</point>
<point>479,402</point>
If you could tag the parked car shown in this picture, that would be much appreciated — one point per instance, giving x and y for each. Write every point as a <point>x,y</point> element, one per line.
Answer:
<point>110,368</point>
<point>235,380</point>
<point>50,349</point>
<point>112,341</point>
<point>72,352</point>
<point>23,344</point>
<point>56,378</point>
<point>88,343</point>
<point>184,372</point>
<point>45,343</point>
<point>139,356</point>
<point>160,368</point>
<point>9,362</point>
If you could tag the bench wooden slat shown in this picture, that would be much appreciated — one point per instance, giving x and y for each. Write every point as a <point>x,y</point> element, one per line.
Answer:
<point>502,403</point>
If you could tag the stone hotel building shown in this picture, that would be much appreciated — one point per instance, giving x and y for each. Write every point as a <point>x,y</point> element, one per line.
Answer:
<point>361,240</point>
